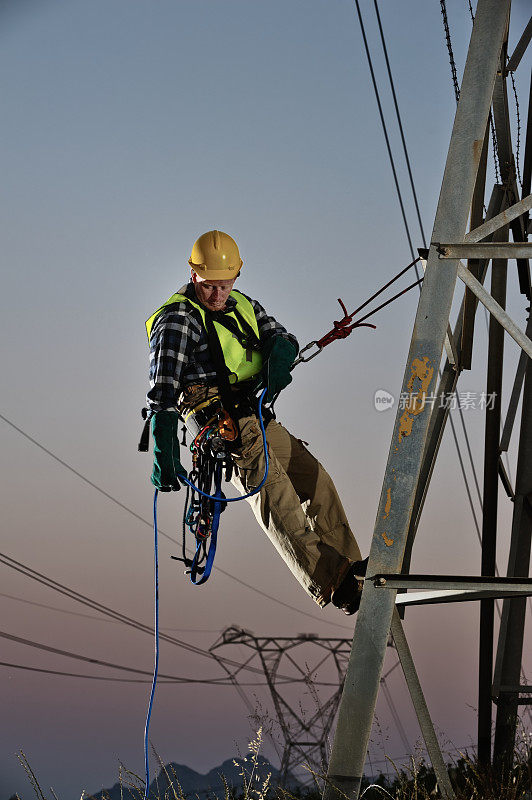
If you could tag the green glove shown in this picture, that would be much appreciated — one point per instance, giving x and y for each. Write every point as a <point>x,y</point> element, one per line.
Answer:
<point>277,365</point>
<point>167,468</point>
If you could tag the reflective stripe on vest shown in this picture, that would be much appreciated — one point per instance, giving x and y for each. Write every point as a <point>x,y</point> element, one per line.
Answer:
<point>242,363</point>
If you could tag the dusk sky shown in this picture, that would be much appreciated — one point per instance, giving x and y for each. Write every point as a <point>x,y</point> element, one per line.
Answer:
<point>129,128</point>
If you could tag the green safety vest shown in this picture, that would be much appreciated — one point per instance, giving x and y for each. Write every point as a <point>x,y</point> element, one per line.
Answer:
<point>242,362</point>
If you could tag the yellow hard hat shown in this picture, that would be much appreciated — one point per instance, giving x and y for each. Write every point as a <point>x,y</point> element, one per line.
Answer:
<point>215,256</point>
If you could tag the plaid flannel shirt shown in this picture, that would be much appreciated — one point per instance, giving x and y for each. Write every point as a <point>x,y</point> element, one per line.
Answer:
<point>179,350</point>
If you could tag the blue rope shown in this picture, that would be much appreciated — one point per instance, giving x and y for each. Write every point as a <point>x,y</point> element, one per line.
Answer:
<point>156,668</point>
<point>266,467</point>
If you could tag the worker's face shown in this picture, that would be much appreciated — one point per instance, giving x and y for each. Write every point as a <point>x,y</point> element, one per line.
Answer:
<point>212,294</point>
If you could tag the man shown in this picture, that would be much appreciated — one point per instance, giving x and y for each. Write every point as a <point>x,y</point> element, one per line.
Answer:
<point>209,339</point>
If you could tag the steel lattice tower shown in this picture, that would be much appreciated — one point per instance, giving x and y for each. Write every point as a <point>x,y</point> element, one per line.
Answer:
<point>420,424</point>
<point>305,657</point>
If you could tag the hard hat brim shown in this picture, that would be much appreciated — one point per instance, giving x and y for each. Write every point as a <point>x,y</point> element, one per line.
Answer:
<point>225,274</point>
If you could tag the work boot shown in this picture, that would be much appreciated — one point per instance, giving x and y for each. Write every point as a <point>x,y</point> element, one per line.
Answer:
<point>347,595</point>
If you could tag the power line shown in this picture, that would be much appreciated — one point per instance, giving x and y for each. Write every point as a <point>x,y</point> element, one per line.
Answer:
<point>142,519</point>
<point>54,608</point>
<point>99,662</point>
<point>75,674</point>
<point>400,123</point>
<point>385,132</point>
<point>173,681</point>
<point>18,566</point>
<point>39,577</point>
<point>92,616</point>
<point>395,715</point>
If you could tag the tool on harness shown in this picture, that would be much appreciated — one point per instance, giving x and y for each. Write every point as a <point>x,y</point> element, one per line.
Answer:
<point>144,441</point>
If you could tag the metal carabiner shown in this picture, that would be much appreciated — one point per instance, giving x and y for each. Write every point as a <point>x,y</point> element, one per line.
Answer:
<point>302,359</point>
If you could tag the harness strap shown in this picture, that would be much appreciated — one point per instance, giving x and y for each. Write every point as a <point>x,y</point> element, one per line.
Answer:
<point>246,336</point>
<point>222,370</point>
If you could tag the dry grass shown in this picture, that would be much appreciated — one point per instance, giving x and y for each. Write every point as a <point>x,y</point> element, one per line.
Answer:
<point>418,782</point>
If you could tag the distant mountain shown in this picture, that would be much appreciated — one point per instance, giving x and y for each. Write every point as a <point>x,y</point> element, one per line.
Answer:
<point>193,783</point>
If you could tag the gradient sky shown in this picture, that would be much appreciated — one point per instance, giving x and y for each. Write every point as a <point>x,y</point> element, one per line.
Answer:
<point>129,128</point>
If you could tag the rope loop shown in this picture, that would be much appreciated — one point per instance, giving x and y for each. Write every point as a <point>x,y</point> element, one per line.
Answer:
<point>343,327</point>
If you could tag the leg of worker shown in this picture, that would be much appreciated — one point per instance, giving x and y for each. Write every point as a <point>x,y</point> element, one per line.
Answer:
<point>316,491</point>
<point>316,565</point>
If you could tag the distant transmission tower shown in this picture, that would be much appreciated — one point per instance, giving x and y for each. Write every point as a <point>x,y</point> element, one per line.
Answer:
<point>318,662</point>
<point>285,661</point>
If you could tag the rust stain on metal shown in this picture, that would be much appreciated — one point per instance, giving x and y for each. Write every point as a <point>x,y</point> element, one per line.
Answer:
<point>415,404</point>
<point>387,541</point>
<point>388,505</point>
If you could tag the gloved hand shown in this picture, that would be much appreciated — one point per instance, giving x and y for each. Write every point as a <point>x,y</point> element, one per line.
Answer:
<point>167,468</point>
<point>276,369</point>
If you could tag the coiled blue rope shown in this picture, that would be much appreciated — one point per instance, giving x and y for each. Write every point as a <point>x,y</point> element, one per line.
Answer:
<point>156,666</point>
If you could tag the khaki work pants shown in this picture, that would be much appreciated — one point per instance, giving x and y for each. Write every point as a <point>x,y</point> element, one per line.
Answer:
<point>298,507</point>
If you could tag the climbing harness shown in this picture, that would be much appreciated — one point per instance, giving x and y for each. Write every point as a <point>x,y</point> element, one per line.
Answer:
<point>211,449</point>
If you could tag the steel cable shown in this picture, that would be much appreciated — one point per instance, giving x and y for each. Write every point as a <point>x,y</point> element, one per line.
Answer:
<point>385,132</point>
